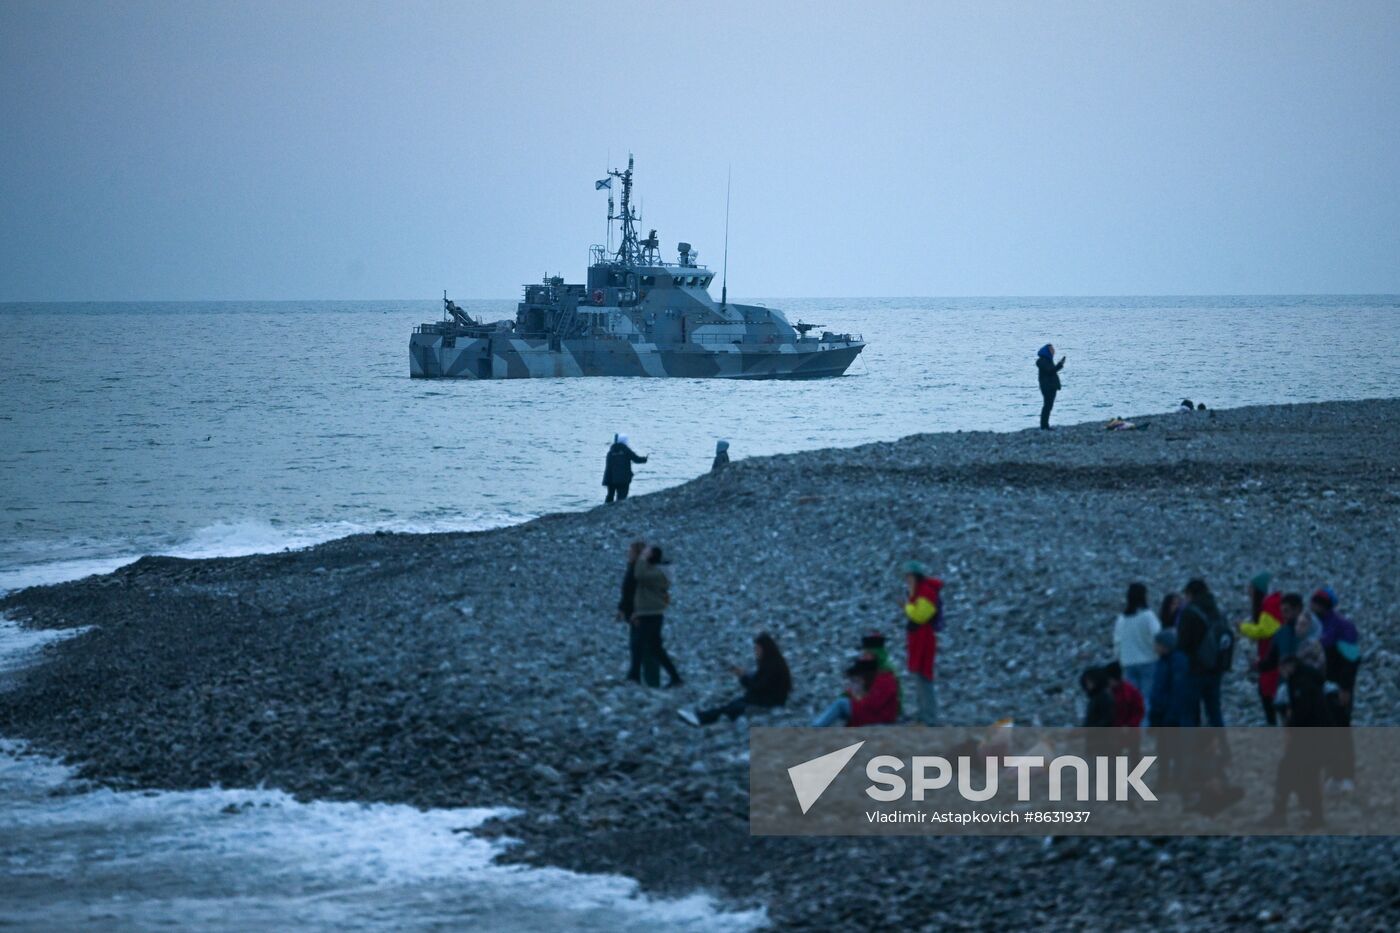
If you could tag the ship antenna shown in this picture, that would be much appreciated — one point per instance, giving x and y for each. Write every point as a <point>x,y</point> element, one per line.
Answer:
<point>724,282</point>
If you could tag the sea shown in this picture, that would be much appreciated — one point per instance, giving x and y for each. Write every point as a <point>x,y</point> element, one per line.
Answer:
<point>203,429</point>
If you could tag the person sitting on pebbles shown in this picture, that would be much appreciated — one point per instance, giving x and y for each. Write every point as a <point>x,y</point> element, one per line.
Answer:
<point>766,686</point>
<point>871,697</point>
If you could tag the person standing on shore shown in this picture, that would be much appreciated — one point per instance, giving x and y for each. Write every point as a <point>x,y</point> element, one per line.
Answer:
<point>766,686</point>
<point>721,456</point>
<point>1209,643</point>
<point>617,473</point>
<point>1341,647</point>
<point>1265,618</point>
<point>1049,373</point>
<point>652,598</point>
<point>1133,634</point>
<point>626,606</point>
<point>923,607</point>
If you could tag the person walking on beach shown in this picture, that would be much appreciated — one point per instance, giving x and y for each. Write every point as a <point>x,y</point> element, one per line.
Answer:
<point>721,456</point>
<point>1304,709</point>
<point>653,596</point>
<point>617,473</point>
<point>767,686</point>
<point>1049,373</point>
<point>1133,634</point>
<point>871,697</point>
<point>626,606</point>
<point>1265,618</point>
<point>923,607</point>
<point>1209,643</point>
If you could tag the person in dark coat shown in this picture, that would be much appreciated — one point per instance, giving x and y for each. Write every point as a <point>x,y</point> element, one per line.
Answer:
<point>626,606</point>
<point>767,685</point>
<point>1199,614</point>
<point>1306,716</point>
<point>721,456</point>
<point>617,474</point>
<point>1049,373</point>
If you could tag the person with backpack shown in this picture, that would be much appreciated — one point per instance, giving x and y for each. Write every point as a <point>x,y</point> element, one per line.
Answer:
<point>767,686</point>
<point>1209,643</point>
<point>923,613</point>
<point>625,607</point>
<point>617,472</point>
<point>1048,374</point>
<point>1265,619</point>
<point>1133,634</point>
<point>653,596</point>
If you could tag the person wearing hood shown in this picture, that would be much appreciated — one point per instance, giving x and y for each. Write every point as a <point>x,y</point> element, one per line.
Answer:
<point>1341,646</point>
<point>721,456</point>
<point>617,473</point>
<point>1265,619</point>
<point>767,686</point>
<point>923,613</point>
<point>1048,372</point>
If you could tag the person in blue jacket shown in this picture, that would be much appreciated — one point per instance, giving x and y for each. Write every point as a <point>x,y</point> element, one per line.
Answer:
<point>1049,373</point>
<point>1170,704</point>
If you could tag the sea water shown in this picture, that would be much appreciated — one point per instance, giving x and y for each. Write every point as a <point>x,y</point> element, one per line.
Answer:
<point>232,428</point>
<point>207,429</point>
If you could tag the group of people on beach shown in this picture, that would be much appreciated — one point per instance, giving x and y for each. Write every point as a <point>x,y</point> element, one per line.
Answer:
<point>1170,666</point>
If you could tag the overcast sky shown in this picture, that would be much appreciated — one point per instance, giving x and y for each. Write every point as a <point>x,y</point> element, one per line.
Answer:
<point>194,150</point>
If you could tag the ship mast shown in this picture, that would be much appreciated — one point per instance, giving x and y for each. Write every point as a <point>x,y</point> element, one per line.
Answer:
<point>628,253</point>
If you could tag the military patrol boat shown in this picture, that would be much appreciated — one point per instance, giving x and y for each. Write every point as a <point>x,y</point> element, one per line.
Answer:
<point>637,316</point>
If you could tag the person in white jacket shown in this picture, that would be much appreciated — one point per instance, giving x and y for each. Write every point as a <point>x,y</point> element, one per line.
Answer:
<point>1134,634</point>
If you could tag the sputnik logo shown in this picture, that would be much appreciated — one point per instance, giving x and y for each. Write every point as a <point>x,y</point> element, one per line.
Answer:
<point>811,778</point>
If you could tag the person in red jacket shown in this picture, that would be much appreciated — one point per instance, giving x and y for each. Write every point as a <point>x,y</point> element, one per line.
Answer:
<point>871,698</point>
<point>923,608</point>
<point>1265,618</point>
<point>1128,706</point>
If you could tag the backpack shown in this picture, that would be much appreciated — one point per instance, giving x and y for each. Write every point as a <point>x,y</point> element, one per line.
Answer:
<point>1216,652</point>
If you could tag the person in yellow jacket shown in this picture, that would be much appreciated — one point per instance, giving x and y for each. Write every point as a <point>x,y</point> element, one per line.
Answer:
<point>1266,611</point>
<point>923,605</point>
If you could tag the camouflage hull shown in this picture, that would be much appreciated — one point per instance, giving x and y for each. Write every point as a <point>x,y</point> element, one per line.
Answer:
<point>432,356</point>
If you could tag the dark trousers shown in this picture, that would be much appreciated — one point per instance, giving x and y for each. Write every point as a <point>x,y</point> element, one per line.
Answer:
<point>1046,406</point>
<point>634,651</point>
<point>1206,688</point>
<point>1299,772</point>
<point>617,492</point>
<point>1341,755</point>
<point>1270,715</point>
<point>653,651</point>
<point>733,710</point>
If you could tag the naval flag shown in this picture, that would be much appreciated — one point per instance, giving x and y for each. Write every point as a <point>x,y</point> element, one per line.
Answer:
<point>602,183</point>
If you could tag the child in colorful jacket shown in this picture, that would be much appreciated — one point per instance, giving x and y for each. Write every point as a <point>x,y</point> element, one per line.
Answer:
<point>923,607</point>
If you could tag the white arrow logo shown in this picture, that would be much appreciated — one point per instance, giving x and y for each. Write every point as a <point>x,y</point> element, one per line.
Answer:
<point>811,778</point>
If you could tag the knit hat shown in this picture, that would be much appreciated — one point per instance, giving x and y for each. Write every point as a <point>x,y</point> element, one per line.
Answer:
<point>1166,638</point>
<point>872,640</point>
<point>621,438</point>
<point>1044,351</point>
<point>1260,582</point>
<point>914,567</point>
<point>1326,595</point>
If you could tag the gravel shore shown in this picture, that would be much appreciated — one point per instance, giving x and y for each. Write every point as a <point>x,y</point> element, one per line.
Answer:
<point>485,669</point>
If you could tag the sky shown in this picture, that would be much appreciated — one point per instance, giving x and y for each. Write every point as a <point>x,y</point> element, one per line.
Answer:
<point>296,150</point>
